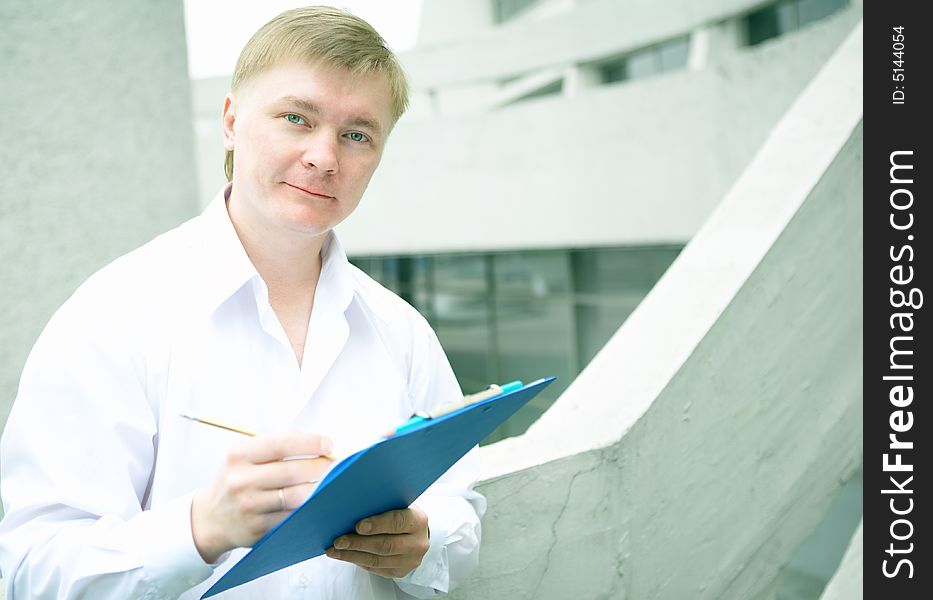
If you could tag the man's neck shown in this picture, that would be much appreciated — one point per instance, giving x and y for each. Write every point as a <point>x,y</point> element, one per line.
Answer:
<point>290,264</point>
<point>288,261</point>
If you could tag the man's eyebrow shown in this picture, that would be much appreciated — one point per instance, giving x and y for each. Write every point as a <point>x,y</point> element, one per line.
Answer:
<point>312,108</point>
<point>303,104</point>
<point>366,122</point>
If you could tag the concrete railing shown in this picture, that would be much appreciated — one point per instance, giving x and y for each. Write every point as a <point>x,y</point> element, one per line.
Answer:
<point>701,447</point>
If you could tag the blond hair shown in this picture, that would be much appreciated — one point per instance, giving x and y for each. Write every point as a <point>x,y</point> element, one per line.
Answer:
<point>326,35</point>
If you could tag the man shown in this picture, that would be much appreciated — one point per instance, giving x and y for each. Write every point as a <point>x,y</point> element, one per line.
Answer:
<point>251,314</point>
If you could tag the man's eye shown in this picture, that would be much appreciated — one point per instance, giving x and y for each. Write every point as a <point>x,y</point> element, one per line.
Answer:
<point>292,118</point>
<point>356,136</point>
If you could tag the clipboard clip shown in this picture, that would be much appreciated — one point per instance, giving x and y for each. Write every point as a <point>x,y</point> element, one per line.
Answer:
<point>420,417</point>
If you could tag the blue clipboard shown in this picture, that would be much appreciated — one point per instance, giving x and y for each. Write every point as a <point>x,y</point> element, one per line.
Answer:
<point>388,475</point>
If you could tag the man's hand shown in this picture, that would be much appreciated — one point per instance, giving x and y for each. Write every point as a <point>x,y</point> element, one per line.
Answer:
<point>255,490</point>
<point>391,544</point>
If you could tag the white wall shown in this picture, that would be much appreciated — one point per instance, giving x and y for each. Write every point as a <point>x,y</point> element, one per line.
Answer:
<point>96,151</point>
<point>445,21</point>
<point>208,101</point>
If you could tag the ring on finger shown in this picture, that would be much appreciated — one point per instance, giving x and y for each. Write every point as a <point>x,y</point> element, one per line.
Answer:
<point>282,498</point>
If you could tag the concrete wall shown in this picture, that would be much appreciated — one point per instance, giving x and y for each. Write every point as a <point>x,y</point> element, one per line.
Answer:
<point>96,152</point>
<point>207,103</point>
<point>447,21</point>
<point>704,443</point>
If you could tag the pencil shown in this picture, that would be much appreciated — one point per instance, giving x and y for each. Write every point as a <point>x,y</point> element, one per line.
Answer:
<point>221,425</point>
<point>235,429</point>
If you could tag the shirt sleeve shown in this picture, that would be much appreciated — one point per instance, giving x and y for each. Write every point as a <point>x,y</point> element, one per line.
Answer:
<point>453,507</point>
<point>76,460</point>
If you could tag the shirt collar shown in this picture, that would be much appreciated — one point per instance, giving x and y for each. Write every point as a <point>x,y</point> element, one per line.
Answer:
<point>336,276</point>
<point>228,267</point>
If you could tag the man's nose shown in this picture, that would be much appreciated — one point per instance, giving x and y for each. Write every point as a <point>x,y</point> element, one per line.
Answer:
<point>321,152</point>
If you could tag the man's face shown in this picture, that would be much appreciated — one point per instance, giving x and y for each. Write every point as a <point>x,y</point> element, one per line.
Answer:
<point>306,140</point>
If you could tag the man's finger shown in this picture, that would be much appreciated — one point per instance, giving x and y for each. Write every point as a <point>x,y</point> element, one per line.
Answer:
<point>273,447</point>
<point>294,496</point>
<point>393,521</point>
<point>282,474</point>
<point>382,544</point>
<point>372,561</point>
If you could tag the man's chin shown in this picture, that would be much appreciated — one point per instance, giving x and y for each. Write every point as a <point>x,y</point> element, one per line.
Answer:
<point>307,216</point>
<point>310,229</point>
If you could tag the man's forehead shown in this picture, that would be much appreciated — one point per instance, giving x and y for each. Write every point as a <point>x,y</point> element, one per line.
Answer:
<point>309,85</point>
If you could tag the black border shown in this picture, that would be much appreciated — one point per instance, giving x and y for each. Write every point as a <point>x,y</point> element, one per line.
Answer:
<point>891,127</point>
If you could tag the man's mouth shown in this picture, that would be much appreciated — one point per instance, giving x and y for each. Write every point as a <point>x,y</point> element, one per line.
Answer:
<point>311,191</point>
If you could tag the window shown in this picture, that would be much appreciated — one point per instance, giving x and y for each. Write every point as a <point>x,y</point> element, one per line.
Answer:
<point>551,89</point>
<point>674,54</point>
<point>647,61</point>
<point>503,10</point>
<point>814,10</point>
<point>613,71</point>
<point>787,16</point>
<point>523,315</point>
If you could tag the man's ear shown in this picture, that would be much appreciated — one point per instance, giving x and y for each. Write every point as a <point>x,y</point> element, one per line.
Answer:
<point>228,120</point>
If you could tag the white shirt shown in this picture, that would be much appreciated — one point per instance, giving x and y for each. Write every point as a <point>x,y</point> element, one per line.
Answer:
<point>98,469</point>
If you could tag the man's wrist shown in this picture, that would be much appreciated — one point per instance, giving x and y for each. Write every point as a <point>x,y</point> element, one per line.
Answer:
<point>207,541</point>
<point>432,573</point>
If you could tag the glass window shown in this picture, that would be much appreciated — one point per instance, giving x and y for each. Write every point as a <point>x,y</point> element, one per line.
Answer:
<point>550,89</point>
<point>648,61</point>
<point>380,268</point>
<point>762,25</point>
<point>503,10</point>
<point>422,289</point>
<point>673,54</point>
<point>643,63</point>
<point>534,328</point>
<point>613,71</point>
<point>608,284</point>
<point>523,315</point>
<point>786,16</point>
<point>463,317</point>
<point>814,10</point>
